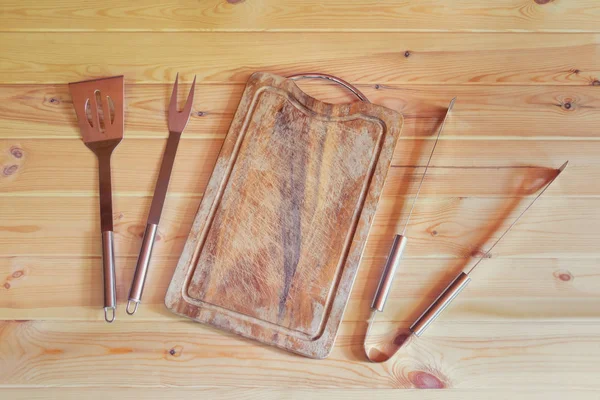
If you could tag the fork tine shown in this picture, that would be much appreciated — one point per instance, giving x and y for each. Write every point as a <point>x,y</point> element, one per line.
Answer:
<point>187,109</point>
<point>173,103</point>
<point>178,120</point>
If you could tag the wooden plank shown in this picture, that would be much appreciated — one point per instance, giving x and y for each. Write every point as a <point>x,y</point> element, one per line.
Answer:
<point>460,167</point>
<point>548,355</point>
<point>298,15</point>
<point>27,169</point>
<point>425,58</point>
<point>440,227</point>
<point>159,393</point>
<point>61,288</point>
<point>461,227</point>
<point>481,112</point>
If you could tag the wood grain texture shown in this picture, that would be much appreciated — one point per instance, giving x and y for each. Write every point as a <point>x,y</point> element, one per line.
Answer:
<point>444,227</point>
<point>470,168</point>
<point>286,394</point>
<point>276,243</point>
<point>299,15</point>
<point>481,112</point>
<point>503,289</point>
<point>402,58</point>
<point>526,75</point>
<point>452,355</point>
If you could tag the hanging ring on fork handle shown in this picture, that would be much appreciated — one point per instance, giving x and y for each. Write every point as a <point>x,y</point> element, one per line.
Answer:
<point>112,316</point>
<point>333,79</point>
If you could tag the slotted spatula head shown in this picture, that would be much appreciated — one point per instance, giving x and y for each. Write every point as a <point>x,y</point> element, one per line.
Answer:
<point>99,107</point>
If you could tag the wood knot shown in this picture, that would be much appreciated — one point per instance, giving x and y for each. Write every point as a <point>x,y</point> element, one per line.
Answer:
<point>377,86</point>
<point>54,100</point>
<point>434,233</point>
<point>542,2</point>
<point>595,82</point>
<point>201,113</point>
<point>567,105</point>
<point>16,152</point>
<point>9,170</point>
<point>407,53</point>
<point>15,275</point>
<point>235,1</point>
<point>176,351</point>
<point>563,275</point>
<point>425,380</point>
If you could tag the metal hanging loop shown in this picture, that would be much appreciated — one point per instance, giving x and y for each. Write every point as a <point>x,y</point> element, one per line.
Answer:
<point>334,79</point>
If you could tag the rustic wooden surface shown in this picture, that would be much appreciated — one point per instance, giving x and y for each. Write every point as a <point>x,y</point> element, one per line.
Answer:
<point>527,77</point>
<point>275,246</point>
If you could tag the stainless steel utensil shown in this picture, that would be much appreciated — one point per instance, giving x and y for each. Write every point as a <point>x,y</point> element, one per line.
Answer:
<point>463,278</point>
<point>176,122</point>
<point>99,107</point>
<point>444,299</point>
<point>398,246</point>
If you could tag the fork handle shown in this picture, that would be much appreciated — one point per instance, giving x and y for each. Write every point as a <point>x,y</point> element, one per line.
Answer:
<point>141,269</point>
<point>164,176</point>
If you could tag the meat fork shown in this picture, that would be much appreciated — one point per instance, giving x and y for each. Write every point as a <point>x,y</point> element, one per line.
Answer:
<point>177,122</point>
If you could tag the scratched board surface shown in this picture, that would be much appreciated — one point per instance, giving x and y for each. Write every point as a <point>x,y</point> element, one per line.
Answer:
<point>279,234</point>
<point>527,77</point>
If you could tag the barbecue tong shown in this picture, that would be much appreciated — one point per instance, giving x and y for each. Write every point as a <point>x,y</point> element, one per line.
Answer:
<point>453,289</point>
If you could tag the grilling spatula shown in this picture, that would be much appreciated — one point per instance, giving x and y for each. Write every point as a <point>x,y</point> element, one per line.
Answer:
<point>99,107</point>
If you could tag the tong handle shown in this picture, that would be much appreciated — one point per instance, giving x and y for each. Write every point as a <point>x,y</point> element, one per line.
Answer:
<point>333,79</point>
<point>141,269</point>
<point>440,304</point>
<point>387,277</point>
<point>108,266</point>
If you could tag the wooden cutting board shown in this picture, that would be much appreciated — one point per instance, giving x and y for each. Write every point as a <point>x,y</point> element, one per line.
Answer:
<point>278,237</point>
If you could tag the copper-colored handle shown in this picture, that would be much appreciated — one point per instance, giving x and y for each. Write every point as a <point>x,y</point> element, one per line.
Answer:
<point>440,304</point>
<point>141,269</point>
<point>110,286</point>
<point>331,78</point>
<point>391,265</point>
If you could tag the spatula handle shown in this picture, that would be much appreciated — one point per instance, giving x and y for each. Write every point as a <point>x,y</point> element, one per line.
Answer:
<point>106,225</point>
<point>110,287</point>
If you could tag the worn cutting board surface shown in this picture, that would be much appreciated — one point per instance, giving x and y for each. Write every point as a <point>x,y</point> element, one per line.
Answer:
<point>278,237</point>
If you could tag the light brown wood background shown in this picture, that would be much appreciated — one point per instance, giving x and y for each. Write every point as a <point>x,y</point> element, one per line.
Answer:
<point>527,77</point>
